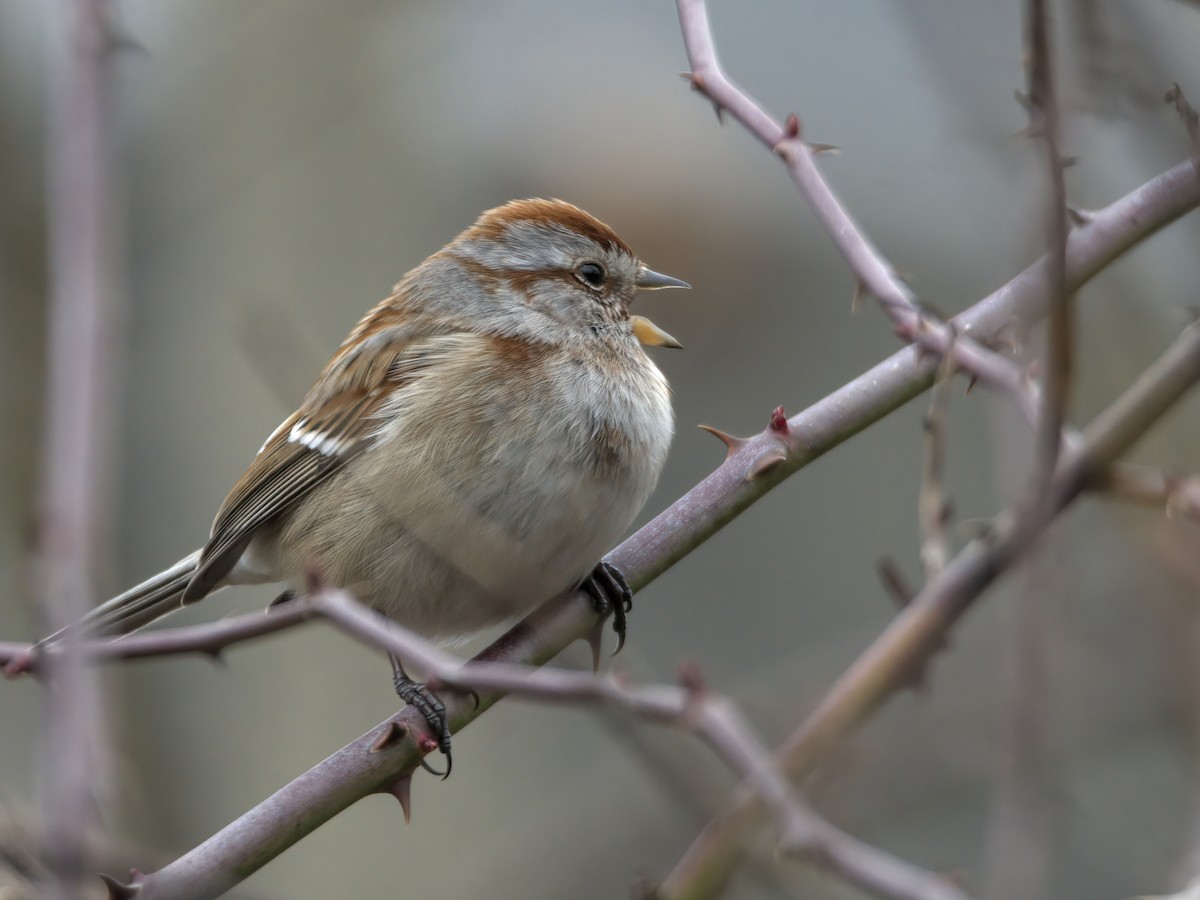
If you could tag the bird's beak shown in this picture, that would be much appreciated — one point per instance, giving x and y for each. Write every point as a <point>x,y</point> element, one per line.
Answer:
<point>650,334</point>
<point>645,330</point>
<point>650,280</point>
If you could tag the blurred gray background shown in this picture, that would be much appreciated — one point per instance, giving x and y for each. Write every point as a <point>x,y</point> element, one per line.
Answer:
<point>282,164</point>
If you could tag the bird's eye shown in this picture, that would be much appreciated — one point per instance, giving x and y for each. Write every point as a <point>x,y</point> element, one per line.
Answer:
<point>591,274</point>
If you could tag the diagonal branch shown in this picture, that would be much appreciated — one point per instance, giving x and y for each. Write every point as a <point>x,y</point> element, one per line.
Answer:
<point>713,718</point>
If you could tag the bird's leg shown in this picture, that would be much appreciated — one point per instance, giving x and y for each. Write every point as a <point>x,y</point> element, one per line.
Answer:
<point>426,702</point>
<point>610,592</point>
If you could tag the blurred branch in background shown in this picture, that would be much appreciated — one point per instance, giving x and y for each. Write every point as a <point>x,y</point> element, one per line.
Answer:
<point>78,427</point>
<point>1044,114</point>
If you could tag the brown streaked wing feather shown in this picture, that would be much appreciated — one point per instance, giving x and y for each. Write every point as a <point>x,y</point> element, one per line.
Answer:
<point>340,416</point>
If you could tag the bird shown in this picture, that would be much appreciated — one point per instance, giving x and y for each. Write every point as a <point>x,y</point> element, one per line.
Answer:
<point>478,441</point>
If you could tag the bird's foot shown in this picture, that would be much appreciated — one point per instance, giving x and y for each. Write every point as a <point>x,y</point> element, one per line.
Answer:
<point>426,702</point>
<point>610,592</point>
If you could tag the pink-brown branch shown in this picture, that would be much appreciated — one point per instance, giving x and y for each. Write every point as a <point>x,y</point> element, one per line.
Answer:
<point>872,271</point>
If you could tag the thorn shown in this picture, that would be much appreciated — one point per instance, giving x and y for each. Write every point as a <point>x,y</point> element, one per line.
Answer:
<point>924,353</point>
<point>858,292</point>
<point>594,639</point>
<point>1187,112</point>
<point>426,743</point>
<point>732,444</point>
<point>791,126</point>
<point>1080,217</point>
<point>894,581</point>
<point>118,890</point>
<point>697,83</point>
<point>1008,339</point>
<point>779,422</point>
<point>23,663</point>
<point>286,597</point>
<point>765,464</point>
<point>974,380</point>
<point>119,41</point>
<point>824,149</point>
<point>217,657</point>
<point>401,789</point>
<point>393,733</point>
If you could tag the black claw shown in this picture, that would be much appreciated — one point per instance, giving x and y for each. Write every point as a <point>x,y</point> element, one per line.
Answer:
<point>610,592</point>
<point>426,702</point>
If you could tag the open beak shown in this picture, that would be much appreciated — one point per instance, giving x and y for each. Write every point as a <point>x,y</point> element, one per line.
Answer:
<point>645,330</point>
<point>651,335</point>
<point>649,280</point>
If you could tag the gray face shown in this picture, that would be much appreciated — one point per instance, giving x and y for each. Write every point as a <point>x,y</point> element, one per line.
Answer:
<point>570,277</point>
<point>577,285</point>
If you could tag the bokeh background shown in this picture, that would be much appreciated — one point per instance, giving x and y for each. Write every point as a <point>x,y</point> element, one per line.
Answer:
<point>281,164</point>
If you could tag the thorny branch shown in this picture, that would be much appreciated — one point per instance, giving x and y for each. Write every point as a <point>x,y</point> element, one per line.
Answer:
<point>713,718</point>
<point>874,274</point>
<point>210,639</point>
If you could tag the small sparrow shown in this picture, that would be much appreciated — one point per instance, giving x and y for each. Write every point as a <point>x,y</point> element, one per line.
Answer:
<point>477,442</point>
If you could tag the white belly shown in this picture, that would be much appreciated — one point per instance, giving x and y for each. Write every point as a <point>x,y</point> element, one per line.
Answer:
<point>499,507</point>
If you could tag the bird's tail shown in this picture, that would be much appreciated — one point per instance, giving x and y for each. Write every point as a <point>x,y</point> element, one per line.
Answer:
<point>138,606</point>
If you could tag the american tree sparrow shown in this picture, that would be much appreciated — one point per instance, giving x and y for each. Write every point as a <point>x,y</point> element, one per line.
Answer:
<point>477,442</point>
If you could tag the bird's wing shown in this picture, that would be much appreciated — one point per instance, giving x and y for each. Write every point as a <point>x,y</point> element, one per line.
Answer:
<point>339,419</point>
